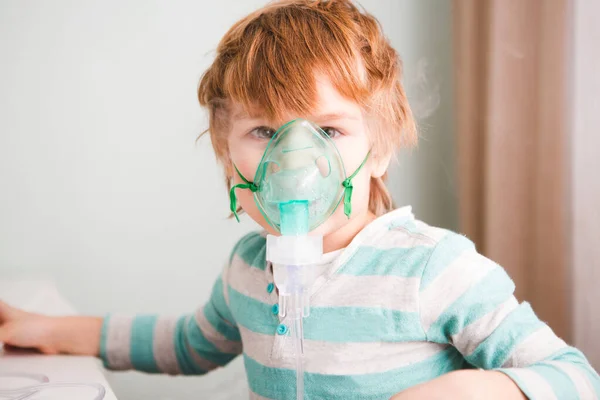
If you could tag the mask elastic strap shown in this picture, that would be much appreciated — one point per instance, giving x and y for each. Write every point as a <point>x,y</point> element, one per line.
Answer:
<point>348,187</point>
<point>233,198</point>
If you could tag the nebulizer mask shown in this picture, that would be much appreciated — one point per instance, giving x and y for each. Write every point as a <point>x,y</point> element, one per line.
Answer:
<point>298,184</point>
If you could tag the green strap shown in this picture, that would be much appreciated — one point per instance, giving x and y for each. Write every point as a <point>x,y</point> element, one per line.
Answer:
<point>347,184</point>
<point>348,187</point>
<point>233,198</point>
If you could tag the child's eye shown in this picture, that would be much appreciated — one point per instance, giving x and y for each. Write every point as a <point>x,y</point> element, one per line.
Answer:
<point>331,132</point>
<point>262,132</point>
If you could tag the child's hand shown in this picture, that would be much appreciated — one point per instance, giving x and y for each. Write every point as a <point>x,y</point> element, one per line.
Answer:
<point>465,385</point>
<point>19,328</point>
<point>50,335</point>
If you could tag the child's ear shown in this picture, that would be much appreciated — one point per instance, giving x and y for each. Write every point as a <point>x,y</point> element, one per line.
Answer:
<point>380,164</point>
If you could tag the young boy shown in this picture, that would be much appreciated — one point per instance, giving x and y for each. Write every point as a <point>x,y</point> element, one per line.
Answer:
<point>399,310</point>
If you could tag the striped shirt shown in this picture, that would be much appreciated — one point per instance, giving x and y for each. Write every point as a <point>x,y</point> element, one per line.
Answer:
<point>403,304</point>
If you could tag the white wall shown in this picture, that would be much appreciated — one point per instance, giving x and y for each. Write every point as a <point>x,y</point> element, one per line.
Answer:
<point>421,31</point>
<point>103,188</point>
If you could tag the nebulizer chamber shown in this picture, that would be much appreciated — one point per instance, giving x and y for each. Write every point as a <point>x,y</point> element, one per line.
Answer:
<point>299,185</point>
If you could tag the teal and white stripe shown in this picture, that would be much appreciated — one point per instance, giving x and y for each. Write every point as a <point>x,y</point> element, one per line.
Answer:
<point>402,304</point>
<point>115,342</point>
<point>340,358</point>
<point>471,336</point>
<point>164,352</point>
<point>279,383</point>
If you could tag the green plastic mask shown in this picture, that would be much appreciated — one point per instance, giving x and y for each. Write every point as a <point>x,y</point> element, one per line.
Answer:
<point>301,174</point>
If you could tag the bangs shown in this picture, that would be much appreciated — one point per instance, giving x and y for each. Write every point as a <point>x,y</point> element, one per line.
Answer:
<point>277,56</point>
<point>268,63</point>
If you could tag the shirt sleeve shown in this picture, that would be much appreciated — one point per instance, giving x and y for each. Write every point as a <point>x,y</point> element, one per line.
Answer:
<point>190,344</point>
<point>467,300</point>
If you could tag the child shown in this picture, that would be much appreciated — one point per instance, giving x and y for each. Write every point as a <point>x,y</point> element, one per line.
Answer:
<point>399,310</point>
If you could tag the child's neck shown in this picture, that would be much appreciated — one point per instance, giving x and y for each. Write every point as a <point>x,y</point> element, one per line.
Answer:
<point>343,236</point>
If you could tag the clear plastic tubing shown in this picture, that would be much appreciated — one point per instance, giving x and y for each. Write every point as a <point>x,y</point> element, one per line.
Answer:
<point>298,344</point>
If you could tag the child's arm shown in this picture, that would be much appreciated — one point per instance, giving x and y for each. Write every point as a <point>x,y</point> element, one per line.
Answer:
<point>50,335</point>
<point>467,301</point>
<point>191,344</point>
<point>466,384</point>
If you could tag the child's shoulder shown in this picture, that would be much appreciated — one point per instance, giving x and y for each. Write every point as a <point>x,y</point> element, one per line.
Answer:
<point>400,245</point>
<point>416,249</point>
<point>416,233</point>
<point>250,249</point>
<point>400,229</point>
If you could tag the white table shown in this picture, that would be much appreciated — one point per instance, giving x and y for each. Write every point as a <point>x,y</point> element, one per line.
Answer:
<point>43,297</point>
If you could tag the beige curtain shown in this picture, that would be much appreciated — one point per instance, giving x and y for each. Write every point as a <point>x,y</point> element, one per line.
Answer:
<point>510,63</point>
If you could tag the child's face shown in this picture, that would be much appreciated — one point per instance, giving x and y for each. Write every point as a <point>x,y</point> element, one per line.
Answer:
<point>341,118</point>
